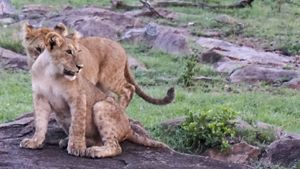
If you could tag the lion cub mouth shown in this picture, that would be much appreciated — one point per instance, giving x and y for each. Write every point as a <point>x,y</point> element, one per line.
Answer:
<point>71,75</point>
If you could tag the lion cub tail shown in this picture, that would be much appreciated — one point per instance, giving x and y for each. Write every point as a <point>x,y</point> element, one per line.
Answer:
<point>163,101</point>
<point>146,141</point>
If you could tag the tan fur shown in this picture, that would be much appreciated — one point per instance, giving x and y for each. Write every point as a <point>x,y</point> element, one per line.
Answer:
<point>89,117</point>
<point>106,64</point>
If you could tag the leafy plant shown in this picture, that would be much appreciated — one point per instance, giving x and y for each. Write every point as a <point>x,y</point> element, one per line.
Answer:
<point>186,77</point>
<point>212,128</point>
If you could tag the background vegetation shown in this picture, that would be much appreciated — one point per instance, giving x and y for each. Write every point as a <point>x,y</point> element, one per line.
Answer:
<point>264,27</point>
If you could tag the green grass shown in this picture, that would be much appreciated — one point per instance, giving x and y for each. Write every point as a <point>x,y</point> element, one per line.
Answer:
<point>15,94</point>
<point>272,29</point>
<point>10,39</point>
<point>262,21</point>
<point>277,106</point>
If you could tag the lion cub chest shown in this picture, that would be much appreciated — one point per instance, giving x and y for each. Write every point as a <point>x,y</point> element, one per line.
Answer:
<point>52,91</point>
<point>45,85</point>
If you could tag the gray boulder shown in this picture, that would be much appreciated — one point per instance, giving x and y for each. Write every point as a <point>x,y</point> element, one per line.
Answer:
<point>256,73</point>
<point>133,156</point>
<point>285,151</point>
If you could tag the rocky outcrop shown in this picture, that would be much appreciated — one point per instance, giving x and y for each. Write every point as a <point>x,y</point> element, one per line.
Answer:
<point>255,73</point>
<point>12,60</point>
<point>36,14</point>
<point>92,21</point>
<point>285,151</point>
<point>237,153</point>
<point>245,64</point>
<point>6,8</point>
<point>133,156</point>
<point>165,39</point>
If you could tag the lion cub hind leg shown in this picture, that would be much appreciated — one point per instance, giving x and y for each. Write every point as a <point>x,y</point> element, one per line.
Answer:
<point>107,116</point>
<point>111,148</point>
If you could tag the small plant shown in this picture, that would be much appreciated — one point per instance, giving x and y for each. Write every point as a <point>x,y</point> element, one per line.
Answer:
<point>209,129</point>
<point>186,77</point>
<point>257,136</point>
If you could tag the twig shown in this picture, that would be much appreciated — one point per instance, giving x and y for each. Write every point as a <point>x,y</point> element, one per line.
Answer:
<point>148,5</point>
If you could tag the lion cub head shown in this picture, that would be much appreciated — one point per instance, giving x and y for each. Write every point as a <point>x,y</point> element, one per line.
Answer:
<point>64,53</point>
<point>33,39</point>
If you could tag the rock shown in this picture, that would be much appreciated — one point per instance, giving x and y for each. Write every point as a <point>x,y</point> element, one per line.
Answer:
<point>228,67</point>
<point>255,73</point>
<point>35,14</point>
<point>93,26</point>
<point>284,152</point>
<point>136,64</point>
<point>237,153</point>
<point>293,84</point>
<point>89,21</point>
<point>242,53</point>
<point>278,131</point>
<point>133,156</point>
<point>10,59</point>
<point>243,125</point>
<point>172,42</point>
<point>6,21</point>
<point>210,56</point>
<point>6,8</point>
<point>92,21</point>
<point>245,64</point>
<point>163,38</point>
<point>172,124</point>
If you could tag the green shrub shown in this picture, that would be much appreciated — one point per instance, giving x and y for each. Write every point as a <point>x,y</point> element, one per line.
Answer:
<point>212,128</point>
<point>186,77</point>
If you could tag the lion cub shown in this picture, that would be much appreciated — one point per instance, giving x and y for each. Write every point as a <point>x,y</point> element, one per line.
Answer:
<point>87,115</point>
<point>105,61</point>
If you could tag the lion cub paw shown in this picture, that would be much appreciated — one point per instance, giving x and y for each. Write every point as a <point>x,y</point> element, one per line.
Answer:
<point>76,149</point>
<point>94,152</point>
<point>31,143</point>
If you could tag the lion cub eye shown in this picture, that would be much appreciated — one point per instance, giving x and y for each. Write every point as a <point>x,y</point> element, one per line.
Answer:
<point>39,49</point>
<point>69,52</point>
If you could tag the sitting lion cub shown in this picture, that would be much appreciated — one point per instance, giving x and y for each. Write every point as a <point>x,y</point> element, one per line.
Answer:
<point>88,116</point>
<point>105,61</point>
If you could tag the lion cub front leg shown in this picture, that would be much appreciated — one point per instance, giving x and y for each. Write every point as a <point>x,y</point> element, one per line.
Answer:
<point>41,117</point>
<point>76,143</point>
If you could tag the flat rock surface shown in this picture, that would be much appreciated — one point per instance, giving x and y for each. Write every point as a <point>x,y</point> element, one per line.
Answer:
<point>243,53</point>
<point>10,59</point>
<point>133,156</point>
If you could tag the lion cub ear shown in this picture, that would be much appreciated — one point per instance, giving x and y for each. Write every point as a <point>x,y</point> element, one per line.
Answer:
<point>53,39</point>
<point>61,29</point>
<point>27,29</point>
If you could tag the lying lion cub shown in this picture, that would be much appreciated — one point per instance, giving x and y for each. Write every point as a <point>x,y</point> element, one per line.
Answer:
<point>90,117</point>
<point>105,61</point>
